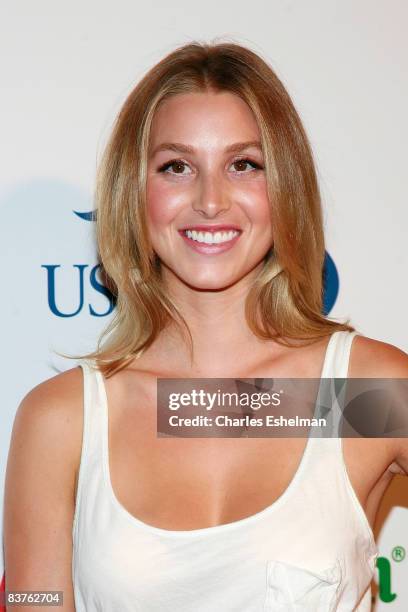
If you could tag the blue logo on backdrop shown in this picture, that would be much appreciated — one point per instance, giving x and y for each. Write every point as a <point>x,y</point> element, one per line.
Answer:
<point>87,216</point>
<point>330,283</point>
<point>83,279</point>
<point>93,281</point>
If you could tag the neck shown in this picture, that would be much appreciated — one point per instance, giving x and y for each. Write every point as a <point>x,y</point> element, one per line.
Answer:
<point>222,340</point>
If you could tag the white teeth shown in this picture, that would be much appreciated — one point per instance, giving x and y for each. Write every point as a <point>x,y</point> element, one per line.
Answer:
<point>211,237</point>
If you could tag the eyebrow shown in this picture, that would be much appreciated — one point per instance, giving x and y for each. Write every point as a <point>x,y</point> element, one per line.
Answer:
<point>183,148</point>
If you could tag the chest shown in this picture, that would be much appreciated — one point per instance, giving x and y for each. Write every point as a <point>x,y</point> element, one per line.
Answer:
<point>192,483</point>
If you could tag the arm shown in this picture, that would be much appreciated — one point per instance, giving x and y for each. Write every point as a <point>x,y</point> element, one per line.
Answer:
<point>39,498</point>
<point>375,359</point>
<point>398,364</point>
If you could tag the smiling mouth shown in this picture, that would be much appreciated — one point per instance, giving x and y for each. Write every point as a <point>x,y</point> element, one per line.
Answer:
<point>213,237</point>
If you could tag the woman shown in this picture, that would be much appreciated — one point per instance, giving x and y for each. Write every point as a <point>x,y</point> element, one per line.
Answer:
<point>208,141</point>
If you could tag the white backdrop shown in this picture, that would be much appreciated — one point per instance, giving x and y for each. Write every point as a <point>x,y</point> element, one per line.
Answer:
<point>66,68</point>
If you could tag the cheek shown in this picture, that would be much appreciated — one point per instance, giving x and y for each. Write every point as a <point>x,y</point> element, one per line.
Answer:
<point>256,203</point>
<point>162,203</point>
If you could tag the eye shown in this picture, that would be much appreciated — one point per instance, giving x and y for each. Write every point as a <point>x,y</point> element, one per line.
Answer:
<point>177,164</point>
<point>242,162</point>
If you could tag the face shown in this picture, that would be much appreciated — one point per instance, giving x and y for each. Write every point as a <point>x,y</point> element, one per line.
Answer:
<point>207,204</point>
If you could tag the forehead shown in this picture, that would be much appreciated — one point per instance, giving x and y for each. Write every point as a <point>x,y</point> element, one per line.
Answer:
<point>203,117</point>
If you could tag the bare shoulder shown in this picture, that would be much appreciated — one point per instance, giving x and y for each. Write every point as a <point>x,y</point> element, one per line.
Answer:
<point>370,358</point>
<point>53,409</point>
<point>50,418</point>
<point>52,413</point>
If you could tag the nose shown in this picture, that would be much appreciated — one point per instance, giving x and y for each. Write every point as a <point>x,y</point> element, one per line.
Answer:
<point>212,196</point>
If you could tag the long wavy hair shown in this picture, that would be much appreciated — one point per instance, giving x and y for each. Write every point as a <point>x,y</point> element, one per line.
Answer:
<point>286,299</point>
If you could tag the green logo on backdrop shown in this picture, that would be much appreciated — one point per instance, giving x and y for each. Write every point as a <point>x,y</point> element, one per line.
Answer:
<point>384,573</point>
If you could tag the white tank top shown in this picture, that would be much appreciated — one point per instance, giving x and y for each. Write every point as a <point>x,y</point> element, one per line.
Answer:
<point>311,550</point>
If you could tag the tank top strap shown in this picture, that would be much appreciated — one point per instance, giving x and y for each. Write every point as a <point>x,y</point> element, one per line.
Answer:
<point>93,417</point>
<point>335,368</point>
<point>335,383</point>
<point>324,440</point>
<point>90,470</point>
<point>94,413</point>
<point>338,354</point>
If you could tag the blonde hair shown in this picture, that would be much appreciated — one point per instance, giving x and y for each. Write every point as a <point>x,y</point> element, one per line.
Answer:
<point>286,300</point>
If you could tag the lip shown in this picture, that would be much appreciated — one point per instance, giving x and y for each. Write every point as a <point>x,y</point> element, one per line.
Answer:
<point>211,228</point>
<point>210,249</point>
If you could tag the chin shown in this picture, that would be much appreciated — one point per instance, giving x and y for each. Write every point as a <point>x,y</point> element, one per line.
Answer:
<point>205,278</point>
<point>209,284</point>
